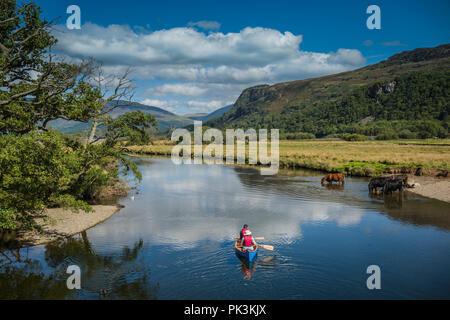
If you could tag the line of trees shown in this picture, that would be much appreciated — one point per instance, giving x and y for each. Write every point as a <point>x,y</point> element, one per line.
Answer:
<point>40,167</point>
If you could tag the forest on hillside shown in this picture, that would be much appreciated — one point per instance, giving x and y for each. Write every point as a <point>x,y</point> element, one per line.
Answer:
<point>415,105</point>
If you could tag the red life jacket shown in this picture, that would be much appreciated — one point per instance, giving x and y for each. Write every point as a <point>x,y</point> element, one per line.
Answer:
<point>243,232</point>
<point>248,241</point>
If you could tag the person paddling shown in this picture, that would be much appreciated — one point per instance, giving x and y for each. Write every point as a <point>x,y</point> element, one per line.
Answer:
<point>241,234</point>
<point>248,241</point>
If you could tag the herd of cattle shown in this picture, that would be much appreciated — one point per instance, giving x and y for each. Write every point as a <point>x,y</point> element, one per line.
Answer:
<point>388,184</point>
<point>384,185</point>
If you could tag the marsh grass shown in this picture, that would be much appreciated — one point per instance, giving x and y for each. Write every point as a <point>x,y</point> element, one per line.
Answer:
<point>359,158</point>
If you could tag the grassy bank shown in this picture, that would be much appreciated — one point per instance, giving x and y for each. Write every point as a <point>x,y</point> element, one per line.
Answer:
<point>367,158</point>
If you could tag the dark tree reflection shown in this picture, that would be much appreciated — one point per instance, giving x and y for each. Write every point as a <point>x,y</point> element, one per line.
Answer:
<point>122,275</point>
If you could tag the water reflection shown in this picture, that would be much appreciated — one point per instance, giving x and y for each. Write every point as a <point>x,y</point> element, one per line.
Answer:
<point>28,280</point>
<point>303,185</point>
<point>247,268</point>
<point>413,210</point>
<point>184,206</point>
<point>118,276</point>
<point>189,204</point>
<point>187,217</point>
<point>334,187</point>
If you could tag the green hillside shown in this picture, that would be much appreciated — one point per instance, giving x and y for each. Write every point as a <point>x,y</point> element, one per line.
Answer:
<point>407,93</point>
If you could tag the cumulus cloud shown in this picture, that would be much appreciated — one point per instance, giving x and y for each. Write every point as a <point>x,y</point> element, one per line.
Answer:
<point>205,106</point>
<point>117,44</point>
<point>182,89</point>
<point>198,61</point>
<point>200,106</point>
<point>346,57</point>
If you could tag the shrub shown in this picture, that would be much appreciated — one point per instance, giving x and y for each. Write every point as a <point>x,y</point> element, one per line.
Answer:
<point>299,135</point>
<point>425,135</point>
<point>407,134</point>
<point>354,137</point>
<point>387,134</point>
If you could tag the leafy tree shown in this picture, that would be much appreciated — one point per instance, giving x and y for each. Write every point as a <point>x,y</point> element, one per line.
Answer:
<point>40,167</point>
<point>35,88</point>
<point>387,134</point>
<point>407,134</point>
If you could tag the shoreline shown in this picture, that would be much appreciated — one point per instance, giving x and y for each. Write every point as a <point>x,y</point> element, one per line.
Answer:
<point>58,223</point>
<point>432,187</point>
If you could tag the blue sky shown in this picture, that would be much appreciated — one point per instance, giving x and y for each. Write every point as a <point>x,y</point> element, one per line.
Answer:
<point>196,56</point>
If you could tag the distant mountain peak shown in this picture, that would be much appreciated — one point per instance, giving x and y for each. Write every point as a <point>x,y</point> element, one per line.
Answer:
<point>420,54</point>
<point>137,105</point>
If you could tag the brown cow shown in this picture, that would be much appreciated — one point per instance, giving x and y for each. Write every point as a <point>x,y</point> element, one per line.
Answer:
<point>337,177</point>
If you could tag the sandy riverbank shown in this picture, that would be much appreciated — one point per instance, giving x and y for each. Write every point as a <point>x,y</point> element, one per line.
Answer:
<point>432,187</point>
<point>60,223</point>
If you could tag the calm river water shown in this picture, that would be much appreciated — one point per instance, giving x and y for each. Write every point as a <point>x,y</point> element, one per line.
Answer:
<point>174,240</point>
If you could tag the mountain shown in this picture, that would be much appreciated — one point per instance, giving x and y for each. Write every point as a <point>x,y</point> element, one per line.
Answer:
<point>195,116</point>
<point>209,116</point>
<point>217,113</point>
<point>408,91</point>
<point>165,119</point>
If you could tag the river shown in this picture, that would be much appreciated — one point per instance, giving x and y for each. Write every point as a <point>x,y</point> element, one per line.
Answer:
<point>174,240</point>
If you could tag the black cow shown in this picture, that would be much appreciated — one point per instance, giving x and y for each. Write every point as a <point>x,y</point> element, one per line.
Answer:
<point>393,185</point>
<point>378,182</point>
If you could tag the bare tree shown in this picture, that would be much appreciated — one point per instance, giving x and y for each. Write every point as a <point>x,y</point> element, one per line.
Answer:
<point>114,91</point>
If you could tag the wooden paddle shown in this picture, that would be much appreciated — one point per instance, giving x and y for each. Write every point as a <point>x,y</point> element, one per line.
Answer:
<point>267,247</point>
<point>268,259</point>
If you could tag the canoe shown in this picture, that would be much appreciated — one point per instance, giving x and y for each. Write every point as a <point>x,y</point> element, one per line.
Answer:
<point>248,255</point>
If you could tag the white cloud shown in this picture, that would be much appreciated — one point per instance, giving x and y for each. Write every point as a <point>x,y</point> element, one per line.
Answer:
<point>201,63</point>
<point>395,43</point>
<point>178,46</point>
<point>205,106</point>
<point>207,25</point>
<point>188,54</point>
<point>346,57</point>
<point>182,89</point>
<point>193,105</point>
